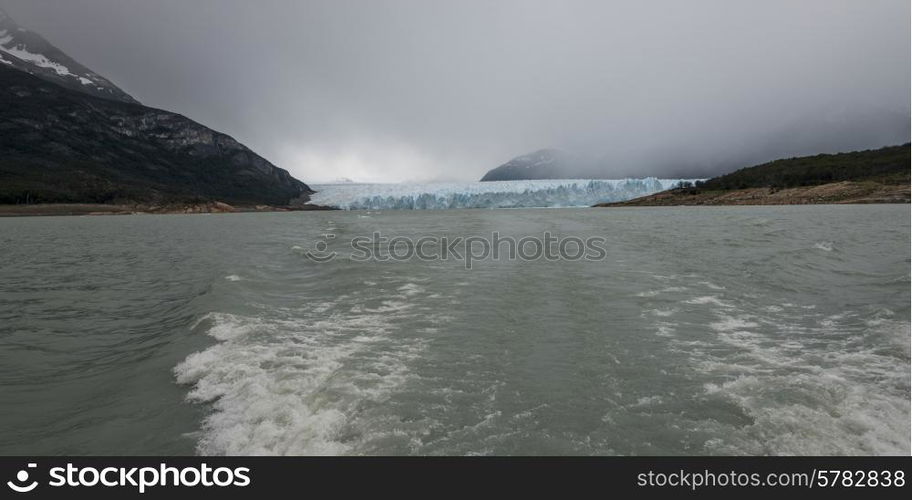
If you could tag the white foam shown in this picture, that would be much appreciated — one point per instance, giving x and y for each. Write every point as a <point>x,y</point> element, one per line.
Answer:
<point>823,415</point>
<point>708,300</point>
<point>410,289</point>
<point>729,323</point>
<point>649,400</point>
<point>665,330</point>
<point>808,393</point>
<point>711,285</point>
<point>670,289</point>
<point>296,381</point>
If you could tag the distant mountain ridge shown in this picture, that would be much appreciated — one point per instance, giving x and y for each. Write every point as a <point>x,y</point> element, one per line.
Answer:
<point>541,164</point>
<point>557,164</point>
<point>29,52</point>
<point>67,135</point>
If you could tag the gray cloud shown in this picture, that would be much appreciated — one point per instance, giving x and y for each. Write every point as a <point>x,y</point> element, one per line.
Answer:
<point>420,89</point>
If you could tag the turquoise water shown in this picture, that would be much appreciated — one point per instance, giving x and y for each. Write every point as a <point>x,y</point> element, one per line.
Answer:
<point>706,330</point>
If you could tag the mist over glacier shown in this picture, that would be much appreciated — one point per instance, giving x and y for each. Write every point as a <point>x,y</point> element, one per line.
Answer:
<point>411,90</point>
<point>500,194</point>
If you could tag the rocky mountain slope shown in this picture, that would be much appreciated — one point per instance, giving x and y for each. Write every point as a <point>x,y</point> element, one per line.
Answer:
<point>68,135</point>
<point>62,146</point>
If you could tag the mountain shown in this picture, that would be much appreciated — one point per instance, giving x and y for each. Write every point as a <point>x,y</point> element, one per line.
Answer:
<point>542,164</point>
<point>63,140</point>
<point>62,146</point>
<point>29,52</point>
<point>870,176</point>
<point>557,164</point>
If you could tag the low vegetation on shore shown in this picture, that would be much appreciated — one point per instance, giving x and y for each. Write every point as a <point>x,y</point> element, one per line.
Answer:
<point>873,176</point>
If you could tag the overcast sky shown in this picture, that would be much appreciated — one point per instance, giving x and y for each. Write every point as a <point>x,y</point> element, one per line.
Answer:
<point>384,90</point>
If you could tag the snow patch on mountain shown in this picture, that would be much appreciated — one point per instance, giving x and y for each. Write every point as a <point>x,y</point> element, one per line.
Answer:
<point>18,50</point>
<point>29,52</point>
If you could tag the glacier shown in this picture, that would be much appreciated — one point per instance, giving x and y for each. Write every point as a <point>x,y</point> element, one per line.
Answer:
<point>499,194</point>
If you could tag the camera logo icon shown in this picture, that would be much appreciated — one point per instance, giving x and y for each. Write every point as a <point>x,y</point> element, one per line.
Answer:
<point>19,485</point>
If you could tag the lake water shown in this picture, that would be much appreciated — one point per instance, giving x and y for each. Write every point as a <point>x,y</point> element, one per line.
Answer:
<point>704,330</point>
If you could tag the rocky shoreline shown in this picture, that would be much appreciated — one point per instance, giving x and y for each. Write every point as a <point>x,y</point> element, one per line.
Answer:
<point>215,207</point>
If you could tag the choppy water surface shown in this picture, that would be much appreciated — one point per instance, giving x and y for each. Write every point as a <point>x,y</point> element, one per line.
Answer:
<point>741,330</point>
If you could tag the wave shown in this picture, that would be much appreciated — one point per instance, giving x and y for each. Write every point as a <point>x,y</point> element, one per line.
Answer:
<point>803,382</point>
<point>300,381</point>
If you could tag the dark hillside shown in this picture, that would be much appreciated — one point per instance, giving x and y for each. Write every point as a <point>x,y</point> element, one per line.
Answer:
<point>888,165</point>
<point>62,146</point>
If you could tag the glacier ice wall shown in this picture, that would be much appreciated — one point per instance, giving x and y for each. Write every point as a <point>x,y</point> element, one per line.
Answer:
<point>500,194</point>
